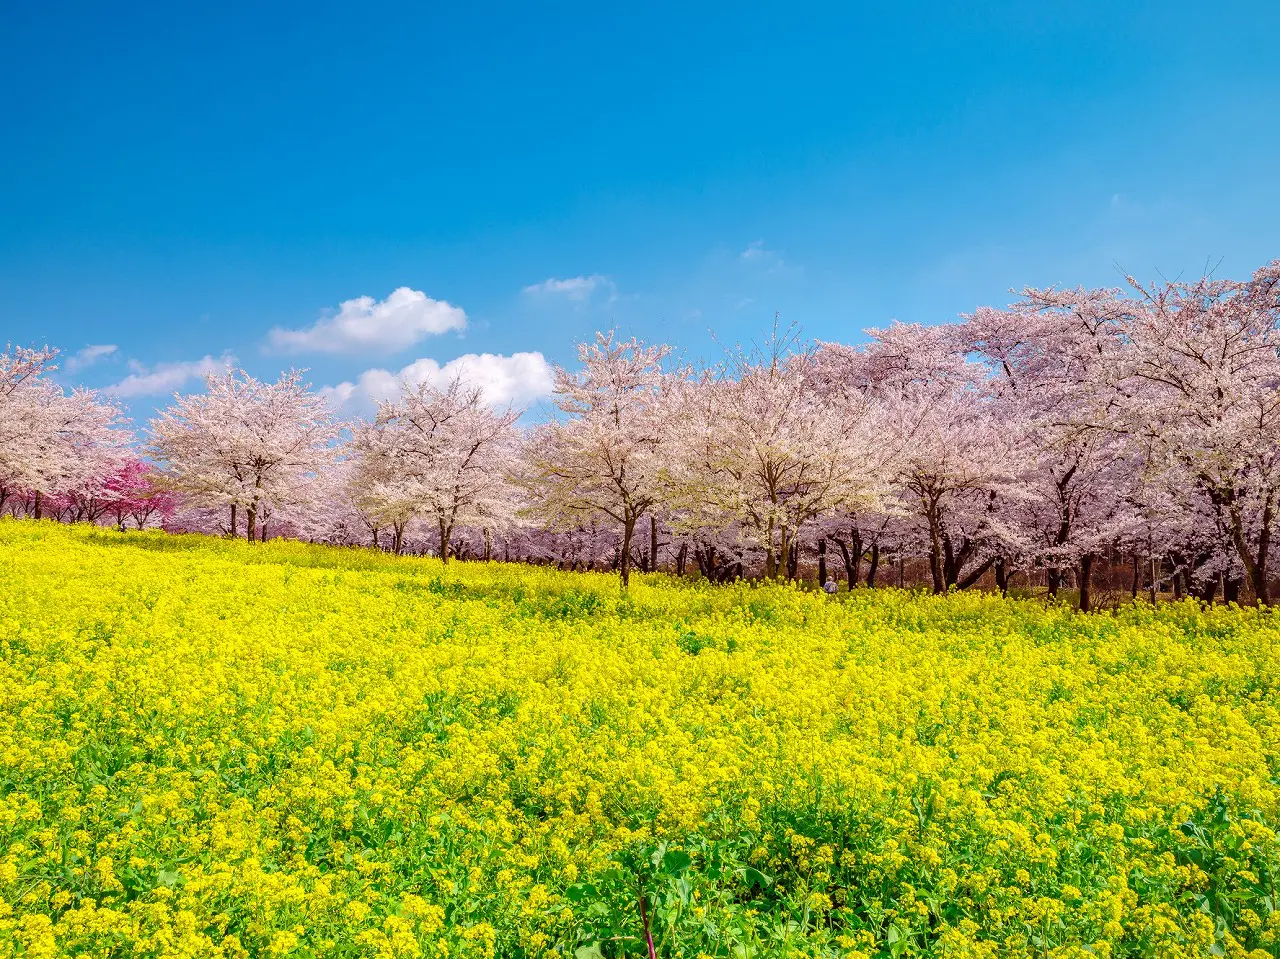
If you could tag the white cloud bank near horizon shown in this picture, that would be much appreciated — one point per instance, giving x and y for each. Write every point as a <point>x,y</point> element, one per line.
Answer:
<point>168,377</point>
<point>367,325</point>
<point>514,380</point>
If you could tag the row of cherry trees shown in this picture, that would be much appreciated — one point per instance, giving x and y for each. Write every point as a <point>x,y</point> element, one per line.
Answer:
<point>1068,430</point>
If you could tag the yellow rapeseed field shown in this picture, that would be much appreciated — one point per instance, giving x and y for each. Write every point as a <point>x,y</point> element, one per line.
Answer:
<point>211,748</point>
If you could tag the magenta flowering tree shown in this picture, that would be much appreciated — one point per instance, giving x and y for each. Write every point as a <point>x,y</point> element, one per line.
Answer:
<point>135,492</point>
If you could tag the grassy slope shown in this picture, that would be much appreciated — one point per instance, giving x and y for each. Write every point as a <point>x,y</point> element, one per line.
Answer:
<point>213,748</point>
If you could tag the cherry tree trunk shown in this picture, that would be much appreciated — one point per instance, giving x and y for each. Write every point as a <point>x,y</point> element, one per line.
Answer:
<point>624,564</point>
<point>1086,568</point>
<point>851,553</point>
<point>935,555</point>
<point>1053,578</point>
<point>1002,576</point>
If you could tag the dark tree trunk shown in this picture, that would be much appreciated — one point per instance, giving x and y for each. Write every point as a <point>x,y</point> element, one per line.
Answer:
<point>793,559</point>
<point>706,560</point>
<point>976,574</point>
<point>936,568</point>
<point>953,563</point>
<point>1209,590</point>
<point>624,561</point>
<point>1053,578</point>
<point>39,500</point>
<point>1002,576</point>
<point>822,562</point>
<point>682,557</point>
<point>653,544</point>
<point>851,553</point>
<point>1255,566</point>
<point>397,537</point>
<point>873,564</point>
<point>1137,577</point>
<point>446,532</point>
<point>1086,568</point>
<point>1231,589</point>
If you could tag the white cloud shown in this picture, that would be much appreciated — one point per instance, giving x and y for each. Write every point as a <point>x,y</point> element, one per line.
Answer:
<point>504,380</point>
<point>576,288</point>
<point>88,356</point>
<point>759,257</point>
<point>168,377</point>
<point>372,326</point>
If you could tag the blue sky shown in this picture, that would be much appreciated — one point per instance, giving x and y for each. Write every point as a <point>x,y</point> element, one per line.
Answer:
<point>180,180</point>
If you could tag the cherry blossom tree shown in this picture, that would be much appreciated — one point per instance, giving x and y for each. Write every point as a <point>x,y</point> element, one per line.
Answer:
<point>1203,388</point>
<point>764,443</point>
<point>955,460</point>
<point>604,458</point>
<point>375,485</point>
<point>244,443</point>
<point>442,453</point>
<point>1052,360</point>
<point>53,443</point>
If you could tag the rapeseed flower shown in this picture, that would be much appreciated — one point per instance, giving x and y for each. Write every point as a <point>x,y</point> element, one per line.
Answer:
<point>214,749</point>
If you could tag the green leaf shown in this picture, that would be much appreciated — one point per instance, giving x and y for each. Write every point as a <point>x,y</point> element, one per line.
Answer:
<point>755,878</point>
<point>591,951</point>
<point>581,891</point>
<point>676,862</point>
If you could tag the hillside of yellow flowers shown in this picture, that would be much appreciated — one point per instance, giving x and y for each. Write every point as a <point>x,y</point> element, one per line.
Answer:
<point>213,748</point>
